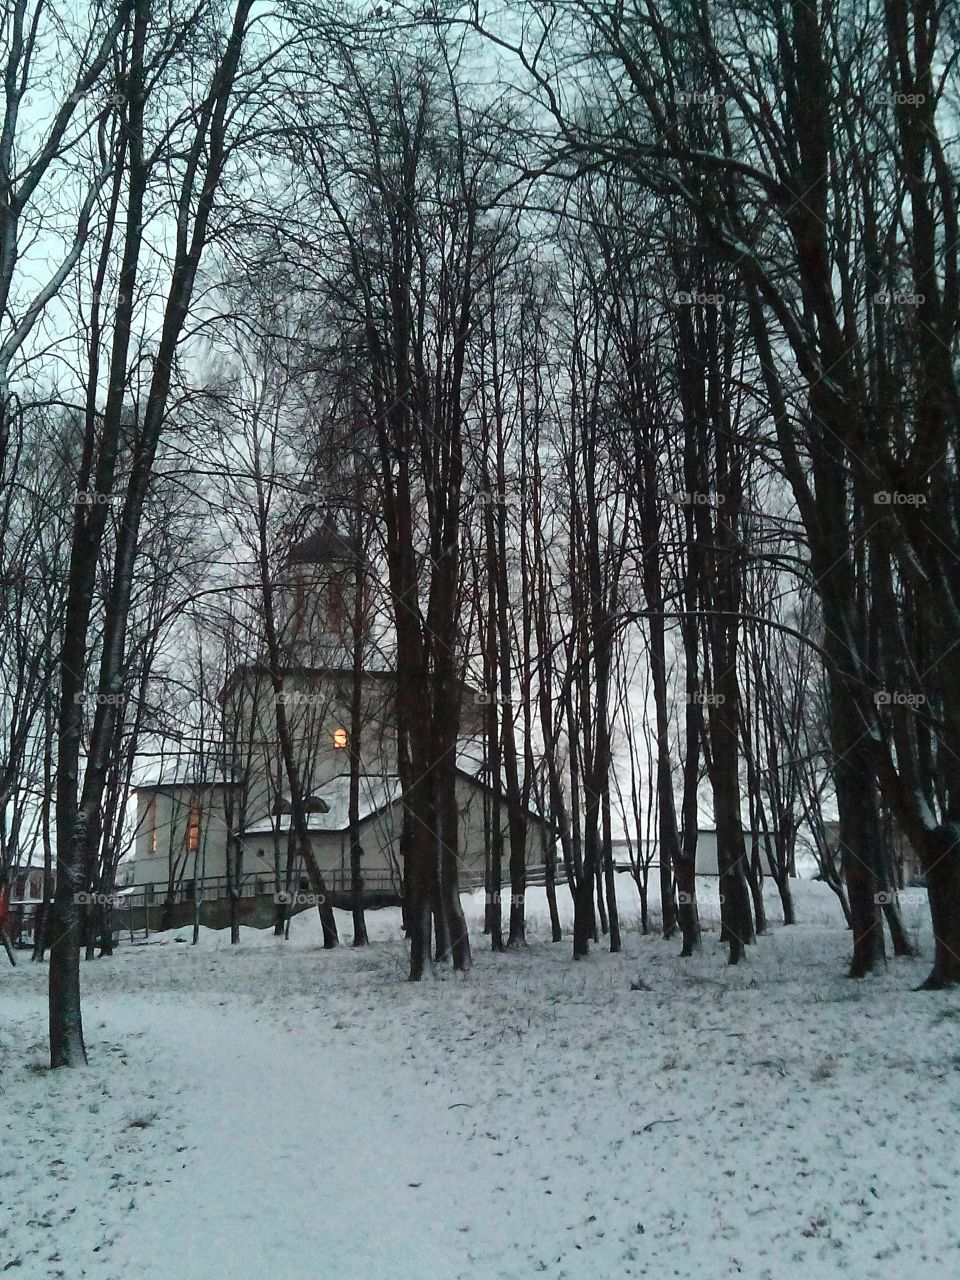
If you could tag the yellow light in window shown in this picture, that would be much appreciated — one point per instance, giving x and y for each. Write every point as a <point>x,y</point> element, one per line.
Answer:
<point>340,738</point>
<point>193,829</point>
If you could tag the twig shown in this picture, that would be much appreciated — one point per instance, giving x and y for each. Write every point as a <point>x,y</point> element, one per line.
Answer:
<point>668,1120</point>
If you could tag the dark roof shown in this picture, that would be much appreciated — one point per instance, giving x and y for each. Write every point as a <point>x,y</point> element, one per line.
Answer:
<point>326,545</point>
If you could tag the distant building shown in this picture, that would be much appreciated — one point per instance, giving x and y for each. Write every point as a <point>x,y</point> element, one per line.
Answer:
<point>648,852</point>
<point>27,885</point>
<point>24,898</point>
<point>907,867</point>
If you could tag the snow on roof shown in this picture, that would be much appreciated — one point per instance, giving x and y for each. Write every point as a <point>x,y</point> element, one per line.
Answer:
<point>377,792</point>
<point>176,771</point>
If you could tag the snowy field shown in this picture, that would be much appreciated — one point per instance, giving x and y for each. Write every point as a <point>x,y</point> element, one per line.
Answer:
<point>274,1111</point>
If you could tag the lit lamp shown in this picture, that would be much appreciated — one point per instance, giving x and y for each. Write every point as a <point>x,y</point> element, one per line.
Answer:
<point>340,738</point>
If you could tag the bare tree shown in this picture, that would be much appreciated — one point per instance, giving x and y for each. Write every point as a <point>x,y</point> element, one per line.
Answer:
<point>199,150</point>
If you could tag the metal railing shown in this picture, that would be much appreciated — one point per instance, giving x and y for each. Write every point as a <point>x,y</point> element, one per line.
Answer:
<point>217,888</point>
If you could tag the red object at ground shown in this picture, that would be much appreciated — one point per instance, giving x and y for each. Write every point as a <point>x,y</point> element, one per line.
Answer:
<point>4,906</point>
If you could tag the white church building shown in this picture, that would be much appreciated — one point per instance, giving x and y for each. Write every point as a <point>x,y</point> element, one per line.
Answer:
<point>194,825</point>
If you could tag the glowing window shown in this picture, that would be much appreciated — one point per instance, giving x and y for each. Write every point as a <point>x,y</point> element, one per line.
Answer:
<point>193,828</point>
<point>340,738</point>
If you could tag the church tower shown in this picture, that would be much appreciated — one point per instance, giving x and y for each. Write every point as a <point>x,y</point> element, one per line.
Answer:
<point>323,572</point>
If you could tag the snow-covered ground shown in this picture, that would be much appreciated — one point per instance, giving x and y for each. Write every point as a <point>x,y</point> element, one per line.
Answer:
<point>271,1110</point>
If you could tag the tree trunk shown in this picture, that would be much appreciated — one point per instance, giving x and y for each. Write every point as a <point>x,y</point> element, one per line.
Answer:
<point>496,883</point>
<point>234,881</point>
<point>900,939</point>
<point>66,1025</point>
<point>600,898</point>
<point>280,905</point>
<point>686,863</point>
<point>550,879</point>
<point>782,881</point>
<point>940,854</point>
<point>584,922</point>
<point>358,626</point>
<point>106,920</point>
<point>609,875</point>
<point>755,881</point>
<point>360,938</point>
<point>855,784</point>
<point>457,931</point>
